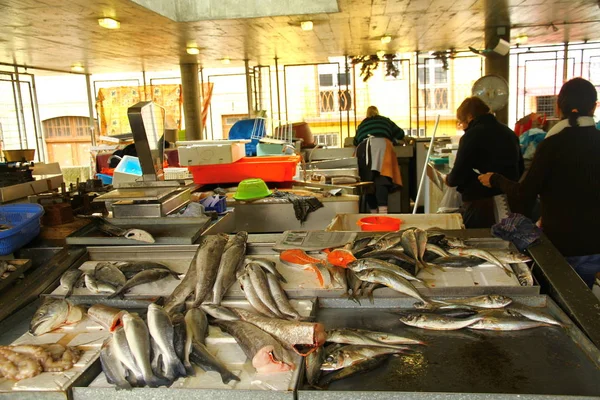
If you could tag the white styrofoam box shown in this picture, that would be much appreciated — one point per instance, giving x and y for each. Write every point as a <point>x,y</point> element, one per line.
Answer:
<point>210,152</point>
<point>128,170</point>
<point>177,173</point>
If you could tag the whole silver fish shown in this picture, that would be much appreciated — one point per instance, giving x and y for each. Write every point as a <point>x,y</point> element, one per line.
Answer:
<point>146,276</point>
<point>252,296</point>
<point>483,254</point>
<point>392,281</point>
<point>205,360</point>
<point>348,356</point>
<point>69,279</point>
<point>138,340</point>
<point>281,299</point>
<point>96,286</point>
<point>484,301</point>
<point>421,237</point>
<point>387,338</point>
<point>265,352</point>
<point>179,334</point>
<point>351,336</point>
<point>219,312</point>
<point>532,313</point>
<point>208,260</point>
<point>523,273</point>
<point>267,265</point>
<point>123,353</point>
<point>130,269</point>
<point>185,288</point>
<point>338,275</point>
<point>111,366</point>
<point>388,241</point>
<point>232,259</point>
<point>435,249</point>
<point>161,330</point>
<point>357,368</point>
<point>372,263</point>
<point>509,256</point>
<point>196,328</point>
<point>438,322</point>
<point>261,286</point>
<point>49,316</point>
<point>313,363</point>
<point>110,274</point>
<point>457,261</point>
<point>506,324</point>
<point>411,247</point>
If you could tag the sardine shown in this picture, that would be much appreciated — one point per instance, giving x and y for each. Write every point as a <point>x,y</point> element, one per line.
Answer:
<point>267,265</point>
<point>205,360</point>
<point>96,286</point>
<point>196,329</point>
<point>208,261</point>
<point>484,255</point>
<point>69,279</point>
<point>231,260</point>
<point>484,301</point>
<point>261,286</point>
<point>130,269</point>
<point>313,363</point>
<point>253,297</point>
<point>123,353</point>
<point>506,324</point>
<point>51,314</point>
<point>265,352</point>
<point>147,276</point>
<point>351,336</point>
<point>108,273</point>
<point>280,298</point>
<point>296,335</point>
<point>348,356</point>
<point>532,313</point>
<point>138,340</point>
<point>219,312</point>
<point>364,366</point>
<point>392,281</point>
<point>438,322</point>
<point>161,330</point>
<point>372,263</point>
<point>457,262</point>
<point>113,368</point>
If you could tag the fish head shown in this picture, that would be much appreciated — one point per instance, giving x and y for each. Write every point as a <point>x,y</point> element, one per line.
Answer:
<point>499,299</point>
<point>412,319</point>
<point>333,361</point>
<point>51,314</point>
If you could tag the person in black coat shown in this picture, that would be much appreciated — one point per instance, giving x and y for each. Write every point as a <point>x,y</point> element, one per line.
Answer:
<point>486,146</point>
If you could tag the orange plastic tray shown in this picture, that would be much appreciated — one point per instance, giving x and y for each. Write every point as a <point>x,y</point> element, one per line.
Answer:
<point>269,169</point>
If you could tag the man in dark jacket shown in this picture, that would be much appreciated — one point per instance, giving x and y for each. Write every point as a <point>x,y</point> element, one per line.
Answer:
<point>487,146</point>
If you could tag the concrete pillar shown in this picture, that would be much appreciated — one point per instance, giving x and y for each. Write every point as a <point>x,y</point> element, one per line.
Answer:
<point>191,101</point>
<point>497,26</point>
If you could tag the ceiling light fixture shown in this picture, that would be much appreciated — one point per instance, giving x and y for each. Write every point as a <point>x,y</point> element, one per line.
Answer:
<point>77,67</point>
<point>381,54</point>
<point>306,25</point>
<point>193,50</point>
<point>386,39</point>
<point>521,39</point>
<point>226,61</point>
<point>109,23</point>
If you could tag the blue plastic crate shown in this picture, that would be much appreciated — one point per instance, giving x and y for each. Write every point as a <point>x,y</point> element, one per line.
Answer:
<point>220,206</point>
<point>24,220</point>
<point>106,179</point>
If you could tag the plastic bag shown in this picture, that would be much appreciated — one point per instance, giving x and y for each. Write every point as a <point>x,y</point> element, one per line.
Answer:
<point>451,202</point>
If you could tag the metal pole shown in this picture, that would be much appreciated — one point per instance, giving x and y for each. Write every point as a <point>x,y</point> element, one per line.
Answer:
<point>427,95</point>
<point>12,80</point>
<point>20,98</point>
<point>409,96</point>
<point>202,124</point>
<point>271,96</point>
<point>417,90</point>
<point>354,94</point>
<point>284,90</point>
<point>517,94</point>
<point>565,63</point>
<point>248,86</point>
<point>38,119</point>
<point>90,108</point>
<point>35,126</point>
<point>340,108</point>
<point>424,173</point>
<point>144,80</point>
<point>277,83</point>
<point>346,97</point>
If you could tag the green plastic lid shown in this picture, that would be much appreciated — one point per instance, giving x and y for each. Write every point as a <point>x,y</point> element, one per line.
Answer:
<point>252,189</point>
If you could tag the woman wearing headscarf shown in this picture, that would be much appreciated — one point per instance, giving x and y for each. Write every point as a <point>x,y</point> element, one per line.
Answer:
<point>377,162</point>
<point>486,146</point>
<point>565,174</point>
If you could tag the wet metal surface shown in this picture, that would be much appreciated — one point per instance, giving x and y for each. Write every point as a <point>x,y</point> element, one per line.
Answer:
<point>538,361</point>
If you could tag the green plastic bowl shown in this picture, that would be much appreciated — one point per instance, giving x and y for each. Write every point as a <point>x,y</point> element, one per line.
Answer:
<point>252,189</point>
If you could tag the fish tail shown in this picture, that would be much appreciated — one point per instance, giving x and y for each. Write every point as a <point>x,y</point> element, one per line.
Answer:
<point>429,265</point>
<point>155,382</point>
<point>281,278</point>
<point>115,294</point>
<point>228,376</point>
<point>428,283</point>
<point>371,298</point>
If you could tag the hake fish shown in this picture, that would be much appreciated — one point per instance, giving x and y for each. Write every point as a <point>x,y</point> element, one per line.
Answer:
<point>281,299</point>
<point>179,334</point>
<point>352,336</point>
<point>208,261</point>
<point>196,328</point>
<point>265,352</point>
<point>438,322</point>
<point>484,301</point>
<point>219,312</point>
<point>348,356</point>
<point>232,259</point>
<point>261,286</point>
<point>114,370</point>
<point>146,276</point>
<point>185,288</point>
<point>364,366</point>
<point>69,279</point>
<point>253,297</point>
<point>205,360</point>
<point>160,328</point>
<point>393,281</point>
<point>267,265</point>
<point>138,339</point>
<point>483,254</point>
<point>506,324</point>
<point>130,269</point>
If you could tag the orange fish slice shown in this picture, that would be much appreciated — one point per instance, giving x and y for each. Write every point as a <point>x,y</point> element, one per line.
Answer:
<point>340,258</point>
<point>316,270</point>
<point>296,257</point>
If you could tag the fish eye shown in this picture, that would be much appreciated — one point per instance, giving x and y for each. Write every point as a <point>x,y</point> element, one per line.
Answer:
<point>329,359</point>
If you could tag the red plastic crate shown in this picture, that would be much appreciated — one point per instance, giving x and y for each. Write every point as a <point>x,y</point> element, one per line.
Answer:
<point>269,169</point>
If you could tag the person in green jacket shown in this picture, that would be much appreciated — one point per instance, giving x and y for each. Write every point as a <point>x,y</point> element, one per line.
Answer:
<point>377,126</point>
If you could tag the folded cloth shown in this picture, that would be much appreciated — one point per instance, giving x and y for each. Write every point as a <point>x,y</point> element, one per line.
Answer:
<point>518,229</point>
<point>303,205</point>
